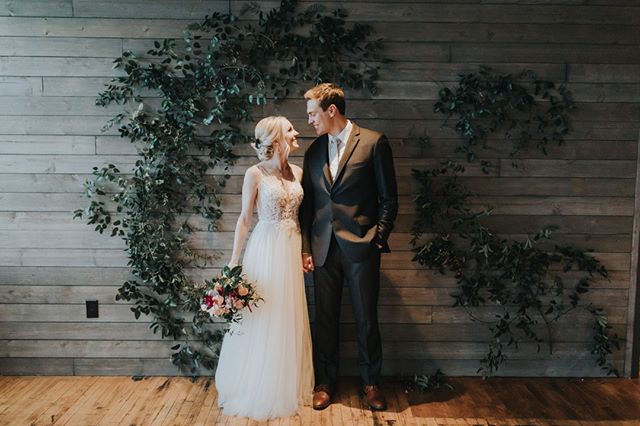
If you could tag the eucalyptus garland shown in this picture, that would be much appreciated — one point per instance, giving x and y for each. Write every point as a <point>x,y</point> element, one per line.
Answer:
<point>529,286</point>
<point>208,84</point>
<point>485,102</point>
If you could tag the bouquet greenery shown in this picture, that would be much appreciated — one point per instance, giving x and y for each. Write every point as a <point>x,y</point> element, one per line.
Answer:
<point>226,296</point>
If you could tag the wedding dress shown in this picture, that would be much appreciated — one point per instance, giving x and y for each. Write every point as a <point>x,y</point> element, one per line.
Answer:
<point>265,368</point>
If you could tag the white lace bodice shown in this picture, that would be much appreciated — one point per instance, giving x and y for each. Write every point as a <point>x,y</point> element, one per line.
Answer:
<point>279,200</point>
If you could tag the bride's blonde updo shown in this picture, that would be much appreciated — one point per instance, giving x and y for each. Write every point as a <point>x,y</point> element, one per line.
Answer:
<point>268,130</point>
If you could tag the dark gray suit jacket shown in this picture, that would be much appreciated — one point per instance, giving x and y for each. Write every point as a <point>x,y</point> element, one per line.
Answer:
<point>360,206</point>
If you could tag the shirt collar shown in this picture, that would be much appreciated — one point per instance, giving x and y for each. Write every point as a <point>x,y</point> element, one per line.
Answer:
<point>344,133</point>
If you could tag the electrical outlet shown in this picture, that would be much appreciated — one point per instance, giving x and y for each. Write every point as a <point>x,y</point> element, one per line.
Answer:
<point>92,309</point>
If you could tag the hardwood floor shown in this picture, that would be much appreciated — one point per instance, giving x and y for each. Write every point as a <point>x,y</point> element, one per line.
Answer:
<point>90,400</point>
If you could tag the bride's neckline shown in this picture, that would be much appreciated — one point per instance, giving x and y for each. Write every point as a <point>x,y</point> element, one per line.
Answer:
<point>269,172</point>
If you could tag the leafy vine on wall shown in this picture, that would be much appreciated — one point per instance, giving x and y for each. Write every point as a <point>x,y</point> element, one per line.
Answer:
<point>528,284</point>
<point>208,84</point>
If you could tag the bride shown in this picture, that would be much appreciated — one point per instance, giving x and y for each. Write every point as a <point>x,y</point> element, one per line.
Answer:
<point>265,368</point>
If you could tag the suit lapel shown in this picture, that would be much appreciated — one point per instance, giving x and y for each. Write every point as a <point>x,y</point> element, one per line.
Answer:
<point>325,160</point>
<point>352,142</point>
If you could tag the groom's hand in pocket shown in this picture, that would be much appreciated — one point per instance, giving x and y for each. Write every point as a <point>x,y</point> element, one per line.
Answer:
<point>307,262</point>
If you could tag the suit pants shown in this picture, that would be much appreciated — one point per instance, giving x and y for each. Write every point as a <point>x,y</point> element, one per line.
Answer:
<point>363,282</point>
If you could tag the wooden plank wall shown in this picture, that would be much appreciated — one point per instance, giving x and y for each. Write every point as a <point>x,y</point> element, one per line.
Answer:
<point>56,55</point>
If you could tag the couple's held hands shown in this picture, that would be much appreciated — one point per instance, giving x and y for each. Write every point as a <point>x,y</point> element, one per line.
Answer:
<point>307,262</point>
<point>379,243</point>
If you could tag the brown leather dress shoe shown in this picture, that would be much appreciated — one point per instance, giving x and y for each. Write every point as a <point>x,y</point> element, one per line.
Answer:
<point>375,398</point>
<point>321,397</point>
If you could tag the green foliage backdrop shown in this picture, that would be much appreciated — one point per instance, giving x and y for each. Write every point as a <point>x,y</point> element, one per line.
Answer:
<point>209,84</point>
<point>528,282</point>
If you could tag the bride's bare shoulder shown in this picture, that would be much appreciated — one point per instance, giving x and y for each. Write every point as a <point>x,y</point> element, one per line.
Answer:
<point>252,175</point>
<point>253,170</point>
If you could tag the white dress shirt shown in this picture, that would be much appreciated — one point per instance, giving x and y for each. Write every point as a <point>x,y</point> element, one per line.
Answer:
<point>336,148</point>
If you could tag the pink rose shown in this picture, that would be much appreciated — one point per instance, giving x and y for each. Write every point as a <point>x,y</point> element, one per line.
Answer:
<point>238,304</point>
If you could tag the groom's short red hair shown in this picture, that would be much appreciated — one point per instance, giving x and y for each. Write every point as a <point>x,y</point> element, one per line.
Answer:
<point>327,94</point>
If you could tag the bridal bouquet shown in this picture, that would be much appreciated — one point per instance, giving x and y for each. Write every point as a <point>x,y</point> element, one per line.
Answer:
<point>226,296</point>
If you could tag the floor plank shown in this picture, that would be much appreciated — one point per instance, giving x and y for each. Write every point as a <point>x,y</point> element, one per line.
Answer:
<point>181,401</point>
<point>71,394</point>
<point>29,396</point>
<point>47,400</point>
<point>171,400</point>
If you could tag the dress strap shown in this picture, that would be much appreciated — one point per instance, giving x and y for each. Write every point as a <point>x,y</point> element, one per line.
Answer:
<point>262,170</point>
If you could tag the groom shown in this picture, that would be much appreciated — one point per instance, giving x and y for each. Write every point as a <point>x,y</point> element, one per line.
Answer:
<point>350,203</point>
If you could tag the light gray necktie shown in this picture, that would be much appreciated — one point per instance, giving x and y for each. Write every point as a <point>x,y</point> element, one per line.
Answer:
<point>334,156</point>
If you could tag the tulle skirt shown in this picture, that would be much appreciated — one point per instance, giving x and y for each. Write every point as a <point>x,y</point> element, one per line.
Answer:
<point>265,368</point>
